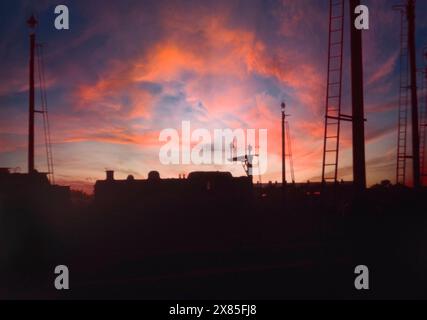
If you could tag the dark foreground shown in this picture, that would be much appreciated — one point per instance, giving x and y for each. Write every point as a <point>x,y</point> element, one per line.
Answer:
<point>261,248</point>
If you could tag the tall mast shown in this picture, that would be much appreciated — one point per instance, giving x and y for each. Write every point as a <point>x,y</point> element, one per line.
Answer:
<point>283,106</point>
<point>414,99</point>
<point>359,169</point>
<point>32,22</point>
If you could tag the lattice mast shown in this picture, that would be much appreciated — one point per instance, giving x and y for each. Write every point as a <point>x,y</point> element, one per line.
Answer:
<point>402,136</point>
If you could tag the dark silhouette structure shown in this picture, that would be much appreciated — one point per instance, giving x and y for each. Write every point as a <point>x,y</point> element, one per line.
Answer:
<point>289,154</point>
<point>402,130</point>
<point>286,148</point>
<point>32,23</point>
<point>283,105</point>
<point>333,115</point>
<point>198,186</point>
<point>408,92</point>
<point>28,189</point>
<point>423,122</point>
<point>410,10</point>
<point>357,94</point>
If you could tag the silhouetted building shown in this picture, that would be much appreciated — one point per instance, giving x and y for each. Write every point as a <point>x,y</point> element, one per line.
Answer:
<point>27,189</point>
<point>198,186</point>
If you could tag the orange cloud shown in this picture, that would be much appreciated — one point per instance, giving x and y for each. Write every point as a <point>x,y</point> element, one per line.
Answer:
<point>115,135</point>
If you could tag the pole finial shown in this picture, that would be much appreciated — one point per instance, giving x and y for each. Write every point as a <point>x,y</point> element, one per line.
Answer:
<point>32,22</point>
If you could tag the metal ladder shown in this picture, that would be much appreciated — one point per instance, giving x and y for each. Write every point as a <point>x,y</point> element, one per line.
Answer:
<point>333,114</point>
<point>403,102</point>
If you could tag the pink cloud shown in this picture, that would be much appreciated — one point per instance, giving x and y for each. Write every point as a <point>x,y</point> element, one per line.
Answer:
<point>383,70</point>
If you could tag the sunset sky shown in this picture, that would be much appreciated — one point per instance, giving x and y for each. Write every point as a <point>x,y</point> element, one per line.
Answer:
<point>128,69</point>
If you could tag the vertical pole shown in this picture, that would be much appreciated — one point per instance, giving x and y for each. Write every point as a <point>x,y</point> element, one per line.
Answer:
<point>359,169</point>
<point>424,125</point>
<point>31,107</point>
<point>283,146</point>
<point>414,99</point>
<point>32,24</point>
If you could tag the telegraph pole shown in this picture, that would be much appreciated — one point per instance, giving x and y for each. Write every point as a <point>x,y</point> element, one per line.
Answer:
<point>283,105</point>
<point>32,22</point>
<point>410,11</point>
<point>358,116</point>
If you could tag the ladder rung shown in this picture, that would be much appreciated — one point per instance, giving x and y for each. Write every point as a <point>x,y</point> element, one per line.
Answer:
<point>330,164</point>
